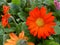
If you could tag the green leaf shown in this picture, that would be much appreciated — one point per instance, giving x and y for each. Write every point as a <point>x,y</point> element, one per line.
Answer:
<point>24,27</point>
<point>5,37</point>
<point>51,38</point>
<point>50,42</point>
<point>57,38</point>
<point>1,39</point>
<point>57,28</point>
<point>2,2</point>
<point>35,3</point>
<point>18,28</point>
<point>38,3</point>
<point>48,2</point>
<point>57,12</point>
<point>14,9</point>
<point>23,3</point>
<point>27,9</point>
<point>58,0</point>
<point>8,30</point>
<point>22,16</point>
<point>1,30</point>
<point>17,2</point>
<point>39,44</point>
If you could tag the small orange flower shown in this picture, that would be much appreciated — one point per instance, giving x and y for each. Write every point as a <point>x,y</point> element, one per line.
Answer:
<point>5,9</point>
<point>40,22</point>
<point>5,17</point>
<point>5,20</point>
<point>18,40</point>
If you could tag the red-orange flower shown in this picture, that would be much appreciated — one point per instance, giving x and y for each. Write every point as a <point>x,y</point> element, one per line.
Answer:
<point>5,17</point>
<point>5,20</point>
<point>40,23</point>
<point>5,9</point>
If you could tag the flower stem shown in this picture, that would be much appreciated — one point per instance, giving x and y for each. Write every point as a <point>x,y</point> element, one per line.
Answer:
<point>15,24</point>
<point>13,20</point>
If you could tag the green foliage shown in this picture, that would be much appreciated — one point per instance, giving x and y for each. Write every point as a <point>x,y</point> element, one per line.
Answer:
<point>22,15</point>
<point>19,10</point>
<point>50,42</point>
<point>2,2</point>
<point>35,3</point>
<point>1,39</point>
<point>17,2</point>
<point>57,38</point>
<point>48,2</point>
<point>9,30</point>
<point>13,9</point>
<point>57,28</point>
<point>18,28</point>
<point>23,3</point>
<point>1,30</point>
<point>5,37</point>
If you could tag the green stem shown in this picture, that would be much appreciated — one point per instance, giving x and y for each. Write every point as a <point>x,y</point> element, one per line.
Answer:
<point>15,23</point>
<point>13,20</point>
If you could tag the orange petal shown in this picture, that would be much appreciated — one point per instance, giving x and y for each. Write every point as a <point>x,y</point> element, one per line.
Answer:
<point>51,24</point>
<point>31,26</point>
<point>13,36</point>
<point>33,30</point>
<point>42,32</point>
<point>8,44</point>
<point>43,11</point>
<point>50,19</point>
<point>11,41</point>
<point>39,34</point>
<point>33,12</point>
<point>30,18</point>
<point>36,31</point>
<point>48,15</point>
<point>21,35</point>
<point>25,38</point>
<point>30,43</point>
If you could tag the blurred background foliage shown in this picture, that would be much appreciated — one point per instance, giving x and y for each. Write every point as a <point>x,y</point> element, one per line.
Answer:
<point>19,9</point>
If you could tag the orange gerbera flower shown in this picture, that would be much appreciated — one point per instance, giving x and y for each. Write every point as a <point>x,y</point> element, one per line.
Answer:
<point>6,16</point>
<point>40,22</point>
<point>21,40</point>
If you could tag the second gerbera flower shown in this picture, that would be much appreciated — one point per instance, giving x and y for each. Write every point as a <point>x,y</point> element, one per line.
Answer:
<point>40,23</point>
<point>18,40</point>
